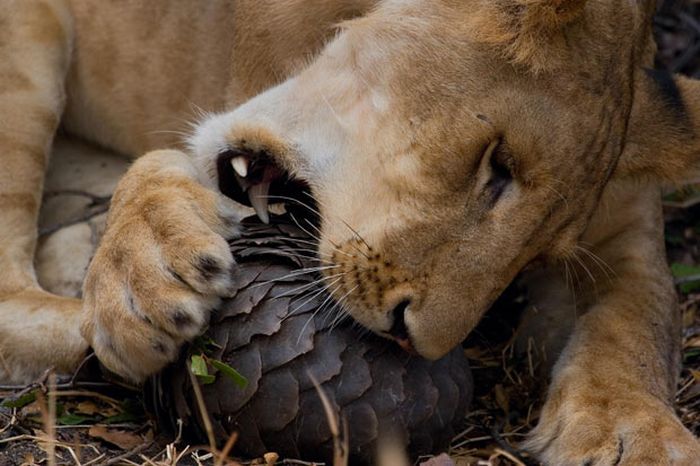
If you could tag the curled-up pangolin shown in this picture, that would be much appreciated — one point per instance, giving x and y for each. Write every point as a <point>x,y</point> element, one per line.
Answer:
<point>281,331</point>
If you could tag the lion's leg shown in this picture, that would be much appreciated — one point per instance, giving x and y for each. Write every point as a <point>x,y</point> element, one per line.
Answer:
<point>548,321</point>
<point>611,397</point>
<point>37,330</point>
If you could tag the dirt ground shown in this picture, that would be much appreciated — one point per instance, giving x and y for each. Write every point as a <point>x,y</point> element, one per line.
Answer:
<point>102,423</point>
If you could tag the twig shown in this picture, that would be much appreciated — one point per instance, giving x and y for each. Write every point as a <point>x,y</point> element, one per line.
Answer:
<point>24,389</point>
<point>75,457</point>
<point>203,410</point>
<point>18,438</point>
<point>171,445</point>
<point>498,452</point>
<point>340,441</point>
<point>95,460</point>
<point>124,425</point>
<point>50,421</point>
<point>110,401</point>
<point>227,449</point>
<point>498,438</point>
<point>10,422</point>
<point>302,463</point>
<point>127,455</point>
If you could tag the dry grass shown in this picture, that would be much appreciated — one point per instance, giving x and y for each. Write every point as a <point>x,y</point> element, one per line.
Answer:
<point>505,409</point>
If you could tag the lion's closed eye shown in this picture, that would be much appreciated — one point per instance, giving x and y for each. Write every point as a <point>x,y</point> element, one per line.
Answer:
<point>497,171</point>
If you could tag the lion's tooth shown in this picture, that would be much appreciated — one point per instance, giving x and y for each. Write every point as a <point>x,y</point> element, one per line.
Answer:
<point>240,166</point>
<point>258,199</point>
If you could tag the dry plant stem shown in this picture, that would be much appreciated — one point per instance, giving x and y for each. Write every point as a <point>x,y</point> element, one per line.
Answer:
<point>124,456</point>
<point>18,438</point>
<point>95,460</point>
<point>68,393</point>
<point>49,420</point>
<point>498,452</point>
<point>74,456</point>
<point>227,449</point>
<point>28,388</point>
<point>72,383</point>
<point>505,446</point>
<point>302,463</point>
<point>203,411</point>
<point>340,442</point>
<point>170,451</point>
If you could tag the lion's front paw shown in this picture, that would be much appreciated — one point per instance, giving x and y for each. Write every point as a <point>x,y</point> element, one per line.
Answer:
<point>162,266</point>
<point>601,430</point>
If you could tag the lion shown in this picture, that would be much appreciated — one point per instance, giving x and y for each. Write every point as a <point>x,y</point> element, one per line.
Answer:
<point>448,146</point>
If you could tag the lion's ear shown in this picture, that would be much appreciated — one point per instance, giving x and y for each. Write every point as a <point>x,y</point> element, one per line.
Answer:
<point>663,137</point>
<point>530,32</point>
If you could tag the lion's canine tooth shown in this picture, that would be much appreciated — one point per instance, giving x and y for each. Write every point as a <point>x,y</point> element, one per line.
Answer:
<point>240,166</point>
<point>258,199</point>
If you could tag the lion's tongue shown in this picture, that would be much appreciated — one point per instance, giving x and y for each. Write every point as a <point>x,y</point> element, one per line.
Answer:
<point>406,345</point>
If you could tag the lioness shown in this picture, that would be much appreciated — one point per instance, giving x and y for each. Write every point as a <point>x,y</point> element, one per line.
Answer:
<point>449,145</point>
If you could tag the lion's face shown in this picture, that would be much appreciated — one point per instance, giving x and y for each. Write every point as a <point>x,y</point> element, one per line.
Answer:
<point>443,156</point>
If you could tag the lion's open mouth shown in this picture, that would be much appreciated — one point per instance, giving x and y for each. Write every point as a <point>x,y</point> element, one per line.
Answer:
<point>256,180</point>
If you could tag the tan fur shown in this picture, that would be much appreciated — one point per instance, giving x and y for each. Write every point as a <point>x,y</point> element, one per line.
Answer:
<point>396,119</point>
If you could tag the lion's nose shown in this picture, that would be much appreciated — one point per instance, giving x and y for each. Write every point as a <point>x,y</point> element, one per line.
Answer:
<point>398,329</point>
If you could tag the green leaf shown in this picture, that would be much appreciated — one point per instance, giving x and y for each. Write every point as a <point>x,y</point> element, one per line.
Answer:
<point>199,368</point>
<point>70,419</point>
<point>19,402</point>
<point>230,372</point>
<point>682,271</point>
<point>207,379</point>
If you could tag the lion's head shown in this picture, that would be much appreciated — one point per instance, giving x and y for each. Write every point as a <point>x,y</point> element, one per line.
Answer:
<point>450,143</point>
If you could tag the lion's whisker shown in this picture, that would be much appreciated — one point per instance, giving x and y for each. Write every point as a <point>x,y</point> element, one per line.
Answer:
<point>605,267</point>
<point>313,296</point>
<point>340,310</point>
<point>313,314</point>
<point>315,211</point>
<point>296,273</point>
<point>584,267</point>
<point>311,284</point>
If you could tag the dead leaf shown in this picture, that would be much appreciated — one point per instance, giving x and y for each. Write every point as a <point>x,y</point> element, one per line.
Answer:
<point>502,398</point>
<point>32,409</point>
<point>121,438</point>
<point>87,407</point>
<point>271,458</point>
